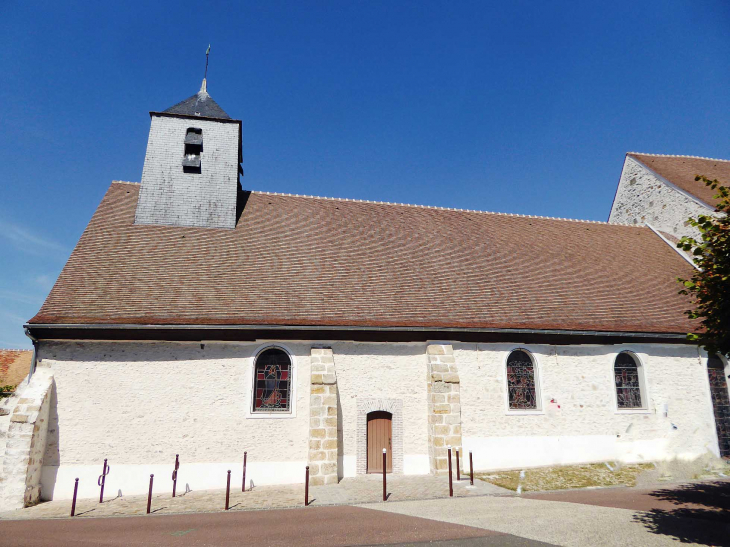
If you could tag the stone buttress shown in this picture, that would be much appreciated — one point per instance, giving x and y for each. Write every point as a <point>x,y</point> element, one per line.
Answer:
<point>323,421</point>
<point>444,406</point>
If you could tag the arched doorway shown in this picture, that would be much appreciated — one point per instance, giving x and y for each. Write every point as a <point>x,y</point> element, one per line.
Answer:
<point>380,435</point>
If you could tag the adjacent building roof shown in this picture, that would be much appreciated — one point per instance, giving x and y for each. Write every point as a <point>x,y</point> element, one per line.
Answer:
<point>682,170</point>
<point>200,104</point>
<point>14,366</point>
<point>297,260</point>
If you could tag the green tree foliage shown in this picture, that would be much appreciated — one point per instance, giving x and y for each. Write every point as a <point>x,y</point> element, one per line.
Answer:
<point>709,287</point>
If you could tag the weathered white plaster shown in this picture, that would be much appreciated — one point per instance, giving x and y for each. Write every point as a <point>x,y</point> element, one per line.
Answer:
<point>583,423</point>
<point>135,479</point>
<point>391,372</point>
<point>139,404</point>
<point>643,197</point>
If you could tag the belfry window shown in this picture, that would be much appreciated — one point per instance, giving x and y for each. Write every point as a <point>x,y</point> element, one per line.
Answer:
<point>629,378</point>
<point>272,381</point>
<point>193,150</point>
<point>521,385</point>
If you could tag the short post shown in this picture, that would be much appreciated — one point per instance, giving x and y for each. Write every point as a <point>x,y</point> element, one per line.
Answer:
<point>306,487</point>
<point>471,469</point>
<point>385,487</point>
<point>458,467</point>
<point>243,484</point>
<point>102,479</point>
<point>451,485</point>
<point>73,503</point>
<point>149,496</point>
<point>174,474</point>
<point>228,489</point>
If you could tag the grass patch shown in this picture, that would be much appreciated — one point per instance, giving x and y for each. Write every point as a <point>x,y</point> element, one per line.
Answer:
<point>565,477</point>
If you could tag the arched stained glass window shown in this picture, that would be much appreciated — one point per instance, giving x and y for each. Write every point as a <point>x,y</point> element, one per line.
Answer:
<point>521,381</point>
<point>272,381</point>
<point>629,381</point>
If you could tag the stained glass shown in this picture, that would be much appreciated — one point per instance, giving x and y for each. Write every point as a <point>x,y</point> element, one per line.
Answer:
<point>628,387</point>
<point>720,403</point>
<point>272,381</point>
<point>521,381</point>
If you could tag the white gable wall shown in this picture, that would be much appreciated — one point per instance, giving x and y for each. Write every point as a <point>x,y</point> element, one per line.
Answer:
<point>645,198</point>
<point>139,404</point>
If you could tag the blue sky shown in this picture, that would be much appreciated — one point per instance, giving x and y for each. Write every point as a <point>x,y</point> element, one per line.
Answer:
<point>520,107</point>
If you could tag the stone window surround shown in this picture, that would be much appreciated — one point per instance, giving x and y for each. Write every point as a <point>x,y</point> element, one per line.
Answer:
<point>643,383</point>
<point>540,410</point>
<point>364,407</point>
<point>249,387</point>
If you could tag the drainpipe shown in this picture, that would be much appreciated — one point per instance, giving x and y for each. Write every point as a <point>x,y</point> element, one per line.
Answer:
<point>35,353</point>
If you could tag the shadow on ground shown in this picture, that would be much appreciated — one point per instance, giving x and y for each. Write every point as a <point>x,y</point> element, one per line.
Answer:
<point>696,504</point>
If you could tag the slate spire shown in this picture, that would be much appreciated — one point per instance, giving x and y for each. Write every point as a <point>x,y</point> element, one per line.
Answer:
<point>200,104</point>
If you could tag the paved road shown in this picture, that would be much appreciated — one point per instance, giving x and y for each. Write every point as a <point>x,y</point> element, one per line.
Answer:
<point>697,514</point>
<point>336,526</point>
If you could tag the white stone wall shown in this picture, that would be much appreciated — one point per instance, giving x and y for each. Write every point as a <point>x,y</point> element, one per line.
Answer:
<point>643,197</point>
<point>392,372</point>
<point>139,404</point>
<point>579,420</point>
<point>170,196</point>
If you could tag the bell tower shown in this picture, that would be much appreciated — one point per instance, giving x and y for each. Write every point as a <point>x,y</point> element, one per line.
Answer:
<point>192,164</point>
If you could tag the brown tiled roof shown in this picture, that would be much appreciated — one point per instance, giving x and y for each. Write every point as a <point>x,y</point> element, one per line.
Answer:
<point>682,170</point>
<point>296,260</point>
<point>14,366</point>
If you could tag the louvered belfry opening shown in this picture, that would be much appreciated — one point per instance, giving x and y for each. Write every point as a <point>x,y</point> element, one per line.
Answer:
<point>193,150</point>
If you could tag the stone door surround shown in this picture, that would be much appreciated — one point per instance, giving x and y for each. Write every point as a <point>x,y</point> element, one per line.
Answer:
<point>365,407</point>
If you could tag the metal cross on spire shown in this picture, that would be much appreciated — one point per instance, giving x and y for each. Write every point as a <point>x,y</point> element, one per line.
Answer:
<point>204,87</point>
<point>207,53</point>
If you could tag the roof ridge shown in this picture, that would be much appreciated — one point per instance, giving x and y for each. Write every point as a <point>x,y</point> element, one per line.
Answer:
<point>677,156</point>
<point>125,182</point>
<point>437,208</point>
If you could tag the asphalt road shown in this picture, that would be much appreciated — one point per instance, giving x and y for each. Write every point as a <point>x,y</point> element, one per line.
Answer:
<point>336,526</point>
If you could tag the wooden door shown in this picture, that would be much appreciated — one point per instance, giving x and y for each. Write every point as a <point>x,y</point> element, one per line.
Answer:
<point>380,435</point>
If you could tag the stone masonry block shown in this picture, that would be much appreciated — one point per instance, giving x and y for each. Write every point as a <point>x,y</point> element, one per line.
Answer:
<point>451,378</point>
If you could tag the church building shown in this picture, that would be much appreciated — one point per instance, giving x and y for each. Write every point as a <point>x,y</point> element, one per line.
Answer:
<point>199,319</point>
